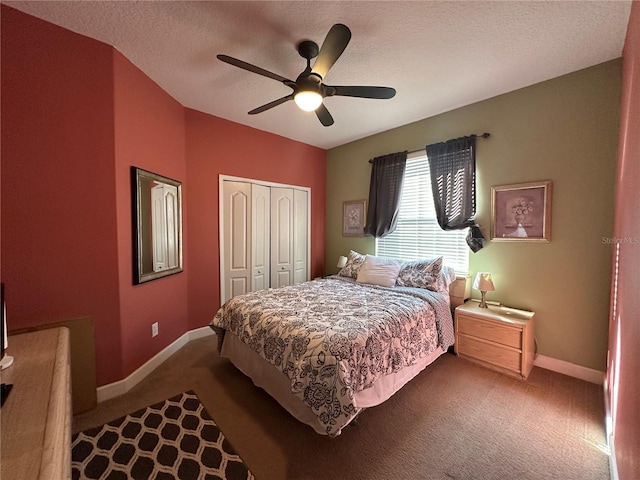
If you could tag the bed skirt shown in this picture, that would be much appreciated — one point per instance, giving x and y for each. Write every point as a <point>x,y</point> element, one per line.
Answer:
<point>275,383</point>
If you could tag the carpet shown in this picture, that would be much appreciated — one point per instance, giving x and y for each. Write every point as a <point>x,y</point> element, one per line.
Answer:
<point>173,439</point>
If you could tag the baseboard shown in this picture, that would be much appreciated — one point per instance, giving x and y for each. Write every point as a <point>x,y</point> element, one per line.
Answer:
<point>121,387</point>
<point>570,369</point>
<point>200,333</point>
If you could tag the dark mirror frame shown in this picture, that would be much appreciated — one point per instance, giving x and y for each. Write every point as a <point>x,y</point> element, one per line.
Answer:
<point>143,250</point>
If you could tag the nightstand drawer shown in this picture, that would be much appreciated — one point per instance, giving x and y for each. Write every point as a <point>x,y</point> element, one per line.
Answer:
<point>496,332</point>
<point>494,354</point>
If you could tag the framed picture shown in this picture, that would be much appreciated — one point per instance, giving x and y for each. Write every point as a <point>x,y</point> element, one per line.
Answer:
<point>521,212</point>
<point>353,218</point>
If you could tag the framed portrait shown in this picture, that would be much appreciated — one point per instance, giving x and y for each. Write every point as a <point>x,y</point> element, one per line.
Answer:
<point>353,218</point>
<point>521,212</point>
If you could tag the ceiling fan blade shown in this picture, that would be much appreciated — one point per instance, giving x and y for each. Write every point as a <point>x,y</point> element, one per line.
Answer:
<point>269,105</point>
<point>324,116</point>
<point>252,68</point>
<point>362,92</point>
<point>334,44</point>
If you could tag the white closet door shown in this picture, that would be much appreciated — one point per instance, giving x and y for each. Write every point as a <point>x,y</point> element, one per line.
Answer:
<point>171,206</point>
<point>236,252</point>
<point>164,201</point>
<point>260,233</point>
<point>282,238</point>
<point>300,234</point>
<point>158,218</point>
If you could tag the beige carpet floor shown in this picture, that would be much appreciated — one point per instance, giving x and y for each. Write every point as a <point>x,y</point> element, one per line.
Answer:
<point>455,420</point>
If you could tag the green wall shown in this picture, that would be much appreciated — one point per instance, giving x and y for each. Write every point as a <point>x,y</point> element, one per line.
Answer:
<point>564,130</point>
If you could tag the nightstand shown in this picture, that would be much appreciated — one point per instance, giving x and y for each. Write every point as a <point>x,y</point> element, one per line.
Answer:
<point>496,337</point>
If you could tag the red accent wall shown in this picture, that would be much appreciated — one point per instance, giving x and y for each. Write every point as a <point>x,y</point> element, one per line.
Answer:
<point>59,249</point>
<point>149,133</point>
<point>76,115</point>
<point>625,312</point>
<point>216,146</point>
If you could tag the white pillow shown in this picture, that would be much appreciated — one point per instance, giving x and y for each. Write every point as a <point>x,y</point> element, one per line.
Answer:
<point>379,271</point>
<point>446,277</point>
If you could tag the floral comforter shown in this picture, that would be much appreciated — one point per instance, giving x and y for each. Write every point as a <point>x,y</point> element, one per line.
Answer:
<point>333,337</point>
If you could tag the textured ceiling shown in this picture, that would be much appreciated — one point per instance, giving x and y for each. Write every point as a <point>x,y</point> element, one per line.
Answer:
<point>438,55</point>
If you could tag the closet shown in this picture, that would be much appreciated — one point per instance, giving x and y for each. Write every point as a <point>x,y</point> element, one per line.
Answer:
<point>264,235</point>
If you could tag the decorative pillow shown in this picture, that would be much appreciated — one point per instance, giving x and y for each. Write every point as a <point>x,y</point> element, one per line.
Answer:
<point>354,262</point>
<point>421,273</point>
<point>379,271</point>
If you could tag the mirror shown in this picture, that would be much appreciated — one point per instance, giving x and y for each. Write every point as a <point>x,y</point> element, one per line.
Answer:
<point>157,216</point>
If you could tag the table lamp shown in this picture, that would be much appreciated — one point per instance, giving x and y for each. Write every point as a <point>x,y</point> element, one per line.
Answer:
<point>484,283</point>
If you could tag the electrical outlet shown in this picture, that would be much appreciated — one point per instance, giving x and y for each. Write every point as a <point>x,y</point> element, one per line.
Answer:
<point>154,329</point>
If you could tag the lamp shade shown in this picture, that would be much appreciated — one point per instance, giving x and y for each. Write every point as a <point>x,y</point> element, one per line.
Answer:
<point>307,100</point>
<point>342,261</point>
<point>483,282</point>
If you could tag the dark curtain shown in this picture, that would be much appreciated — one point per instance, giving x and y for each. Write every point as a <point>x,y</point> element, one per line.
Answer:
<point>385,190</point>
<point>453,182</point>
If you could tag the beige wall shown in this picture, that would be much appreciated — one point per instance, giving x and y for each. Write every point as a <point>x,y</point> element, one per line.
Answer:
<point>564,130</point>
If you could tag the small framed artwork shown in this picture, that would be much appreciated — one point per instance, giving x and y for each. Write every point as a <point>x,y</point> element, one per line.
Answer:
<point>521,212</point>
<point>353,218</point>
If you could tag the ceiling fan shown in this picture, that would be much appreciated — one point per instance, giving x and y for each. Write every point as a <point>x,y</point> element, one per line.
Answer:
<point>308,89</point>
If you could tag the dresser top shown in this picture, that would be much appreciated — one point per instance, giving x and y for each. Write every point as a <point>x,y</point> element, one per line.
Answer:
<point>36,404</point>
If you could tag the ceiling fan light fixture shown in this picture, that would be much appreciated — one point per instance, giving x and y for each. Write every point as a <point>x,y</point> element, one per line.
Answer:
<point>308,100</point>
<point>308,91</point>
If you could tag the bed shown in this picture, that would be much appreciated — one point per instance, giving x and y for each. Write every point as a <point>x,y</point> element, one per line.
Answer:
<point>328,348</point>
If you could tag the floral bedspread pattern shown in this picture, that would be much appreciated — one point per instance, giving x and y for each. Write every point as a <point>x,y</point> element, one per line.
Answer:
<point>333,337</point>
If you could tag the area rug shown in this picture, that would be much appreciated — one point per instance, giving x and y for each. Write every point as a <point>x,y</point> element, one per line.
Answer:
<point>173,439</point>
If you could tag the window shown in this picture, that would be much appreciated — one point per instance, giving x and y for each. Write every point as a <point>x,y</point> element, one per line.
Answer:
<point>417,234</point>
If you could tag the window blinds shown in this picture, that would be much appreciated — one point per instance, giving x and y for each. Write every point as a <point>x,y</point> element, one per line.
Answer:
<point>417,234</point>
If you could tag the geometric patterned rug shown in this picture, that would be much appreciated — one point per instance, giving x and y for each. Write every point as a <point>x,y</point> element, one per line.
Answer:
<point>173,439</point>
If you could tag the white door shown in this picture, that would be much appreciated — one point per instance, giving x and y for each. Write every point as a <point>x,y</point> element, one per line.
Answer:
<point>300,234</point>
<point>171,209</point>
<point>236,251</point>
<point>260,232</point>
<point>164,203</point>
<point>281,237</point>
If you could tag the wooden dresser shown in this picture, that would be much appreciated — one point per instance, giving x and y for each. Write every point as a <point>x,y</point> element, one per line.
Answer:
<point>36,416</point>
<point>499,338</point>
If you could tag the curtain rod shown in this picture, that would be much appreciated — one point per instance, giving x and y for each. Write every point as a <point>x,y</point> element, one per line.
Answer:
<point>484,135</point>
